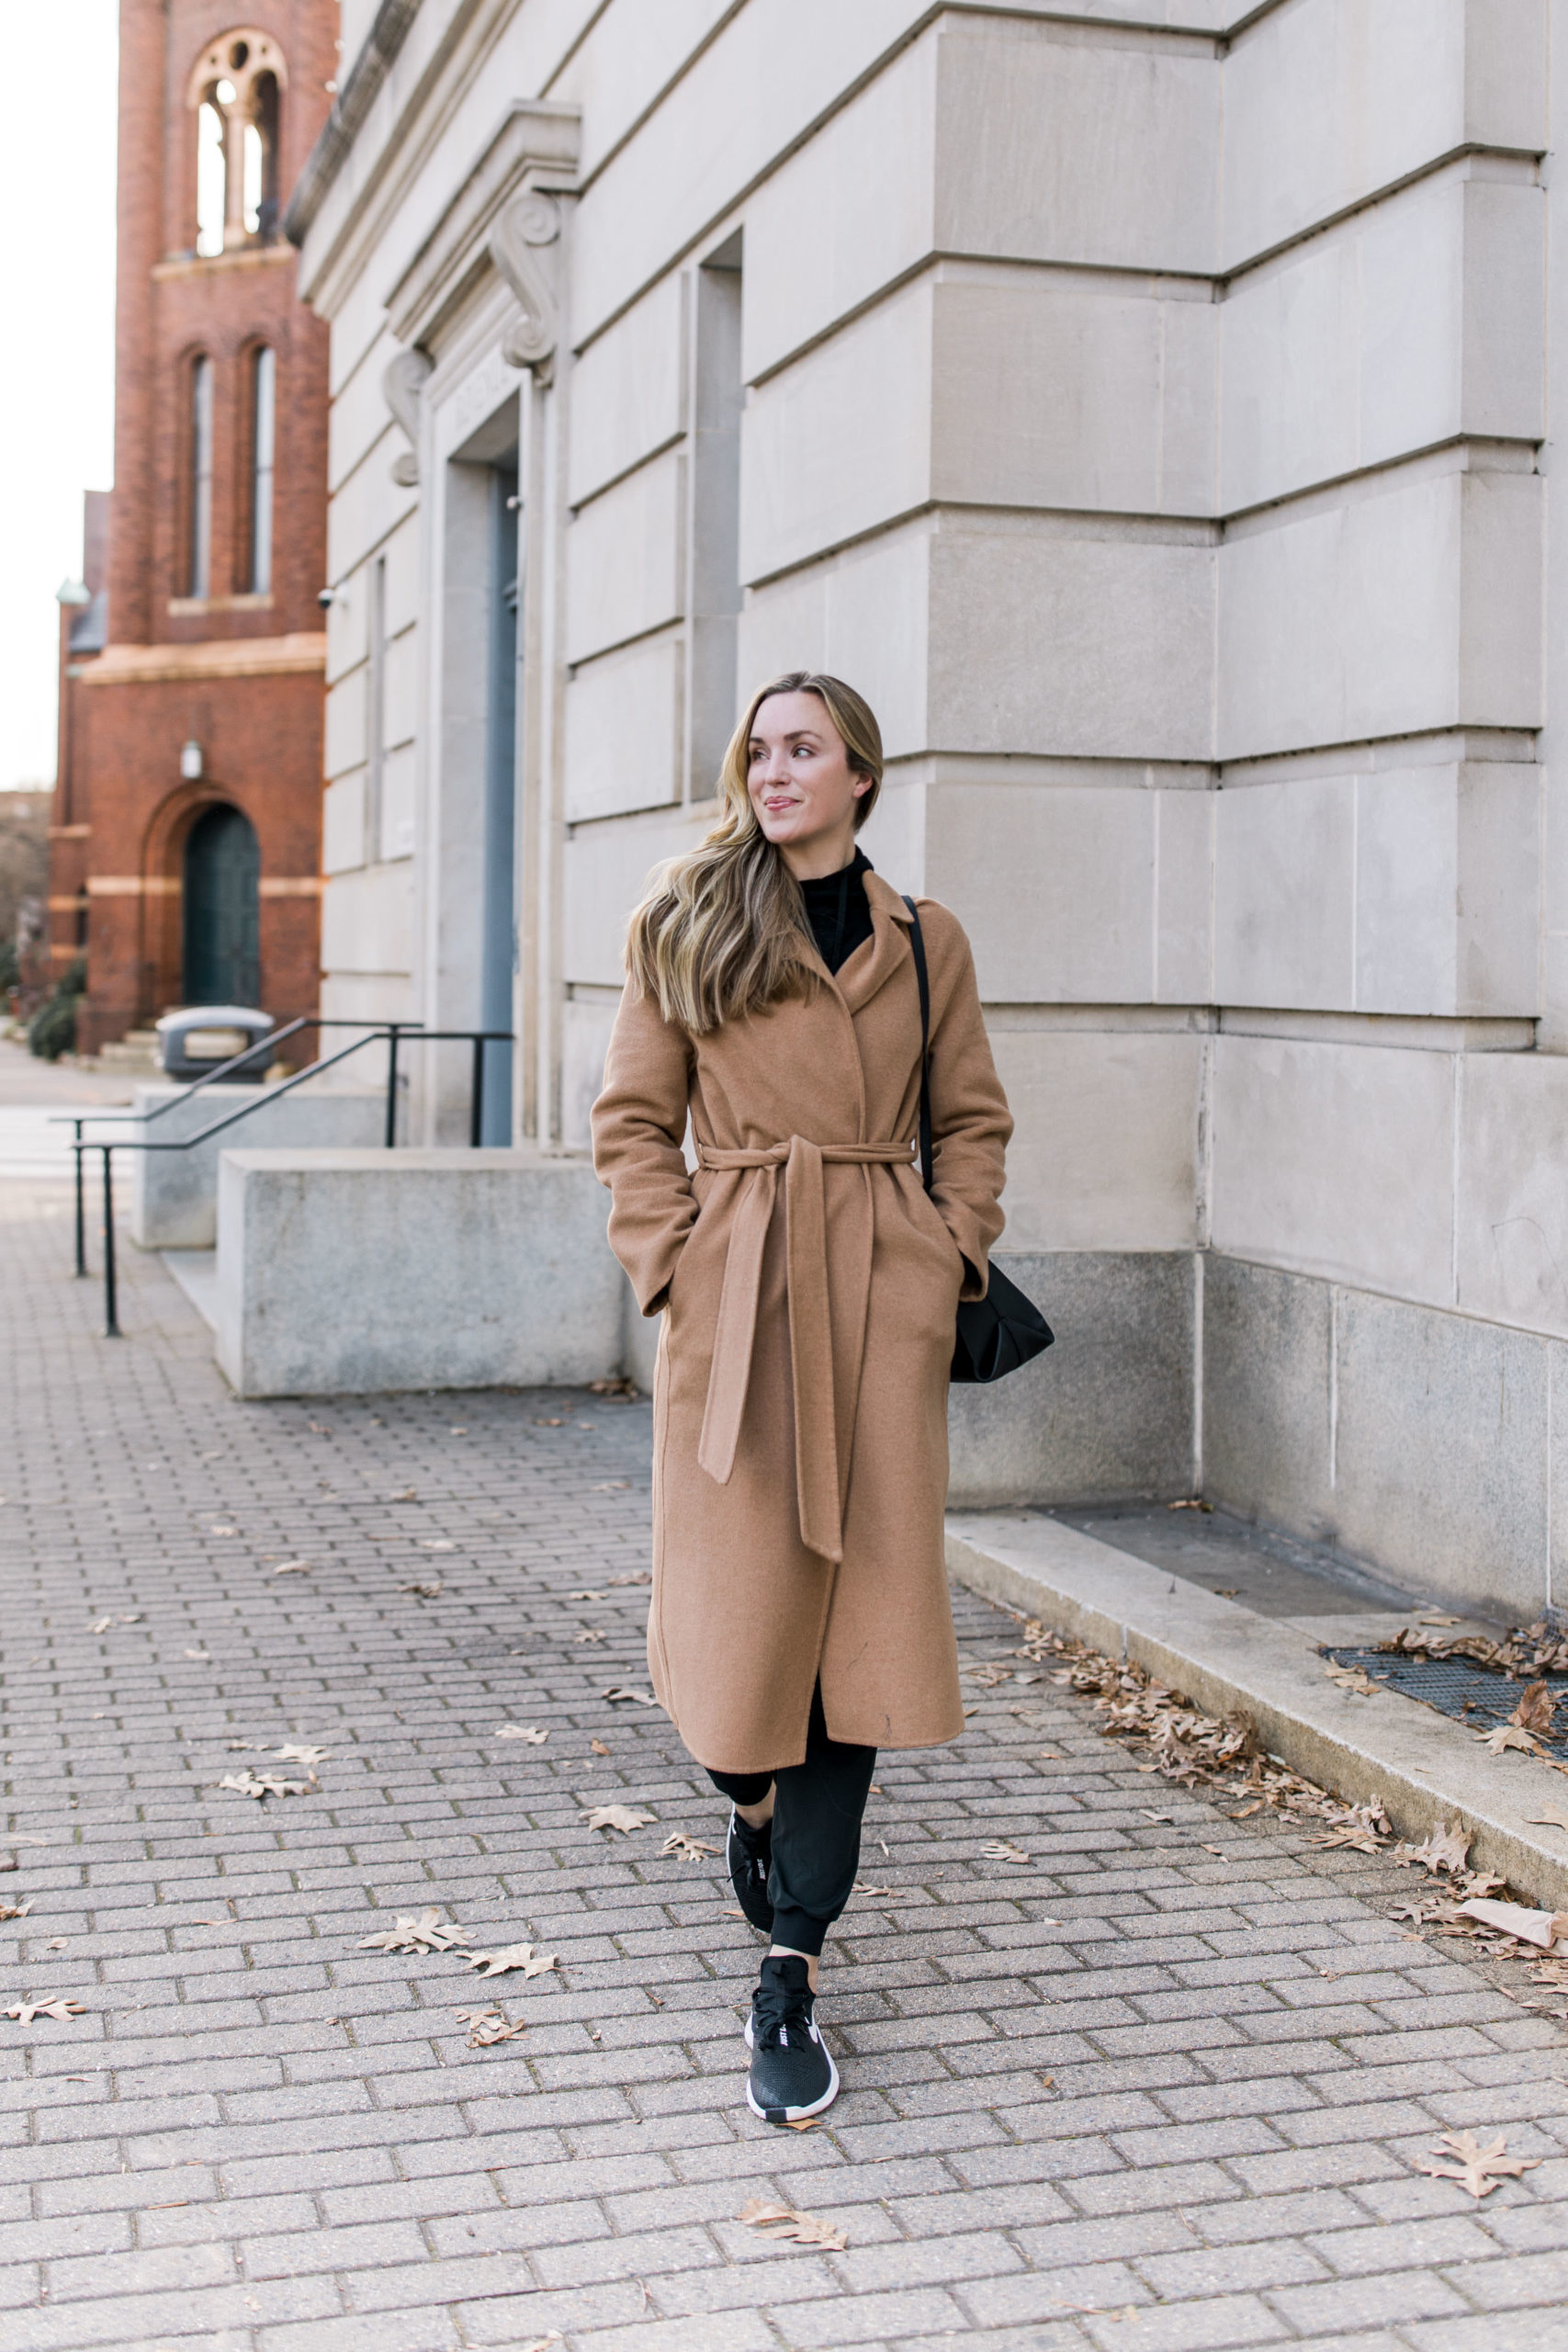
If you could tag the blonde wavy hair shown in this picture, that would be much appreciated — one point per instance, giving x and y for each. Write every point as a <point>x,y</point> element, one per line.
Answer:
<point>723,930</point>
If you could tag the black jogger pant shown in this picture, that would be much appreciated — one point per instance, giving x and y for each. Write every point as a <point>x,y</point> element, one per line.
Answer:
<point>816,1818</point>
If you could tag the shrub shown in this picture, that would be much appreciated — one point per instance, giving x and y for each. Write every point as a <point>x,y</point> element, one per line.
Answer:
<point>52,1029</point>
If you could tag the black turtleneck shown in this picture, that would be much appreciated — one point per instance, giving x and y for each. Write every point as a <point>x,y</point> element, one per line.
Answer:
<point>837,911</point>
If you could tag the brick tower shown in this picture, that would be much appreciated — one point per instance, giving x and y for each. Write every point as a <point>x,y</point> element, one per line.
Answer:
<point>186,858</point>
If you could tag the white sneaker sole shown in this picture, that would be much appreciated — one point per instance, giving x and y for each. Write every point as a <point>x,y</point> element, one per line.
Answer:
<point>794,2114</point>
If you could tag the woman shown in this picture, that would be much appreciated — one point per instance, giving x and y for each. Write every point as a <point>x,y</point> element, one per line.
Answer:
<point>800,1616</point>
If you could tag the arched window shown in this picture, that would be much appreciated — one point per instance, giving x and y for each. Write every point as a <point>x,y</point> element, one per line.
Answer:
<point>210,174</point>
<point>234,90</point>
<point>200,563</point>
<point>264,412</point>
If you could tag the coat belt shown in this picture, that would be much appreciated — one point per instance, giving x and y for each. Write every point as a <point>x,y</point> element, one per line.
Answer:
<point>810,1331</point>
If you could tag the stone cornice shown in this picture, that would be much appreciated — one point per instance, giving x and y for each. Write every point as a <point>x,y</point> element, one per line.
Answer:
<point>444,60</point>
<point>537,140</point>
<point>392,25</point>
<point>239,657</point>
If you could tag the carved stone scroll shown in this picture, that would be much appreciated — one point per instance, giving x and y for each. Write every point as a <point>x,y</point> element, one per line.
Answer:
<point>520,246</point>
<point>402,387</point>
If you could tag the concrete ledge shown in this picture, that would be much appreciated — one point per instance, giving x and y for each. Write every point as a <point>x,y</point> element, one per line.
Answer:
<point>1104,1416</point>
<point>1426,1769</point>
<point>349,1272</point>
<point>173,1194</point>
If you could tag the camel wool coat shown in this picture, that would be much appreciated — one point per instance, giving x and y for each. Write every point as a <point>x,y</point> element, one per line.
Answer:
<point>809,1286</point>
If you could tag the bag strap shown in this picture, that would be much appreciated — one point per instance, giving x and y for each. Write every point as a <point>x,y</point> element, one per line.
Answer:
<point>917,942</point>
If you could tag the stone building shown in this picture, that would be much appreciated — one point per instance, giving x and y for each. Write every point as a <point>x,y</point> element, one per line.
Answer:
<point>1145,404</point>
<point>186,858</point>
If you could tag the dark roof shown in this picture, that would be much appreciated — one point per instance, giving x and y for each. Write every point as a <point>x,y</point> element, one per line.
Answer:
<point>90,630</point>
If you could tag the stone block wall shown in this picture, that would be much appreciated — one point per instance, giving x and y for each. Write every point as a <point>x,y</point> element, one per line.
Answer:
<point>1150,418</point>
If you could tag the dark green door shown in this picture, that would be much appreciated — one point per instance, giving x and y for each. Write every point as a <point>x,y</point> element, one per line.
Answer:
<point>222,915</point>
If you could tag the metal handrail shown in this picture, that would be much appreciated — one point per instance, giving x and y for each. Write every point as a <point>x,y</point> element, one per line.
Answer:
<point>392,1031</point>
<point>209,1077</point>
<point>77,1120</point>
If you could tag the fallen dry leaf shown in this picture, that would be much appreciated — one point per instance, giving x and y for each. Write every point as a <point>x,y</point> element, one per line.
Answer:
<point>202,1657</point>
<point>875,1893</point>
<point>17,1910</point>
<point>423,1932</point>
<point>997,1849</point>
<point>608,1486</point>
<point>622,1817</point>
<point>100,1624</point>
<point>46,2004</point>
<point>1361,1841</point>
<point>1447,1850</point>
<point>1507,1736</point>
<point>620,1690</point>
<point>688,1849</point>
<point>530,1732</point>
<point>1474,2167</point>
<point>591,1634</point>
<point>1353,1677</point>
<point>487,2026</point>
<point>1436,1617</point>
<point>310,1757</point>
<point>1536,1709</point>
<point>224,1531</point>
<point>1540,1928</point>
<point>784,2222</point>
<point>262,1785</point>
<point>425,1592</point>
<point>1550,1816</point>
<point>643,1576</point>
<point>598,1747</point>
<point>585,1595</point>
<point>510,1956</point>
<point>292,1569</point>
<point>436,1543</point>
<point>1363,1827</point>
<point>549,1421</point>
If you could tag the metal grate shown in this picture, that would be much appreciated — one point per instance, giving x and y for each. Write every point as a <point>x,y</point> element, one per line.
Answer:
<point>1458,1687</point>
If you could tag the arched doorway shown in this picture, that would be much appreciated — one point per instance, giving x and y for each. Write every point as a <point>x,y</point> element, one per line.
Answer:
<point>222,909</point>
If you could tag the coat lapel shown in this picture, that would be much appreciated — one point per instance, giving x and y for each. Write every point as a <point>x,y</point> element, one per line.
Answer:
<point>869,969</point>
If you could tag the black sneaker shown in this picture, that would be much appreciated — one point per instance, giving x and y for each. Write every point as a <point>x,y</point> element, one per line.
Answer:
<point>751,1855</point>
<point>792,2073</point>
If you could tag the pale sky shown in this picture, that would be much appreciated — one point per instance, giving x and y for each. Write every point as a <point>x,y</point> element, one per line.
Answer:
<point>56,197</point>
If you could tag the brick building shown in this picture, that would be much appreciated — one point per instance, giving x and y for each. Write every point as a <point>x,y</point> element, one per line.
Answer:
<point>185,857</point>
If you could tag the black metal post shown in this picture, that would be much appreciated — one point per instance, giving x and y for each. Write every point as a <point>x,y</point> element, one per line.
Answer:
<point>391,1085</point>
<point>81,1205</point>
<point>477,1098</point>
<point>112,1320</point>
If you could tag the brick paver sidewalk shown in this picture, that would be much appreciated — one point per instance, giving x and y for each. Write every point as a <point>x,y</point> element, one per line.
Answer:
<point>1166,2087</point>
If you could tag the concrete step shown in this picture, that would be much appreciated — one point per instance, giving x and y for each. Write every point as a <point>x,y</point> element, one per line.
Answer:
<point>135,1053</point>
<point>1426,1769</point>
<point>196,1271</point>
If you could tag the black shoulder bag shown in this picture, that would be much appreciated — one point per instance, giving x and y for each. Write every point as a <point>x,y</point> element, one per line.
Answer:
<point>1004,1329</point>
